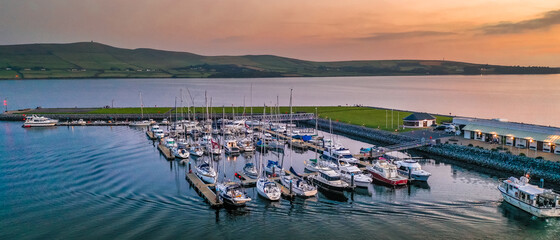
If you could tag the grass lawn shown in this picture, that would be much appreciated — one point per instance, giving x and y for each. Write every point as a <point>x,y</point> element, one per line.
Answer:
<point>129,110</point>
<point>369,117</point>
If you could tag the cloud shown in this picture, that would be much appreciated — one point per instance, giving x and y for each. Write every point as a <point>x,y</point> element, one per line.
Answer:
<point>544,22</point>
<point>402,35</point>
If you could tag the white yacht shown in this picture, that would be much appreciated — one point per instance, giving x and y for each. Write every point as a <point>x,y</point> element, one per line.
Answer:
<point>339,153</point>
<point>205,172</point>
<point>181,152</point>
<point>412,166</point>
<point>170,143</point>
<point>299,186</point>
<point>246,145</point>
<point>36,121</point>
<point>232,193</point>
<point>143,123</point>
<point>314,165</point>
<point>268,189</point>
<point>230,146</point>
<point>196,150</point>
<point>360,179</point>
<point>530,198</point>
<point>158,133</point>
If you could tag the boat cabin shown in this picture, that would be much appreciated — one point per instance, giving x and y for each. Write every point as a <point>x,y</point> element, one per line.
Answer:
<point>330,175</point>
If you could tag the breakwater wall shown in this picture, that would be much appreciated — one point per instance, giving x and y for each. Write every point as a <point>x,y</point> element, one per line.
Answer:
<point>515,164</point>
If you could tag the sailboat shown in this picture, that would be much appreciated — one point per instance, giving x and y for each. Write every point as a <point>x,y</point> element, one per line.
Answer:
<point>141,123</point>
<point>265,187</point>
<point>205,172</point>
<point>315,165</point>
<point>296,184</point>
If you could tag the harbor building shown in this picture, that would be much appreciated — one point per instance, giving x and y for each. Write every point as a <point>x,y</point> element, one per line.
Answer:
<point>520,135</point>
<point>419,120</point>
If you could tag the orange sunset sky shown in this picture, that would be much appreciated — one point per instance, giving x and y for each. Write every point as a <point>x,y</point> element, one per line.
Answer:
<point>508,32</point>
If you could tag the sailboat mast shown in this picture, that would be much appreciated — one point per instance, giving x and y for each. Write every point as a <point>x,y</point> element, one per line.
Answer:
<point>141,106</point>
<point>290,134</point>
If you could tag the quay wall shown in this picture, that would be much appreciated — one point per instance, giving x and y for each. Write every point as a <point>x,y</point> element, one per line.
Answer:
<point>361,132</point>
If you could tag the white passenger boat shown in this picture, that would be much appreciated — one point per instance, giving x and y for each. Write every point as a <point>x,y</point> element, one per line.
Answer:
<point>413,167</point>
<point>36,121</point>
<point>360,179</point>
<point>530,198</point>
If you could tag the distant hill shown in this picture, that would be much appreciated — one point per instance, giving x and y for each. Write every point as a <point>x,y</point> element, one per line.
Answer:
<point>95,60</point>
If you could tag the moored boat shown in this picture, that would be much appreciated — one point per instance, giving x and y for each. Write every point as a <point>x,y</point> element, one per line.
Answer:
<point>232,194</point>
<point>330,180</point>
<point>36,121</point>
<point>354,176</point>
<point>387,173</point>
<point>530,198</point>
<point>412,167</point>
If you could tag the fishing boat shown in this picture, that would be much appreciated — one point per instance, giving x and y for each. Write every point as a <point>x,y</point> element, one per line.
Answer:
<point>386,172</point>
<point>205,172</point>
<point>354,176</point>
<point>232,194</point>
<point>36,121</point>
<point>268,189</point>
<point>530,198</point>
<point>412,167</point>
<point>329,180</point>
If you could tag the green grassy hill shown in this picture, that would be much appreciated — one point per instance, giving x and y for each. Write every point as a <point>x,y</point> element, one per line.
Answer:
<point>95,60</point>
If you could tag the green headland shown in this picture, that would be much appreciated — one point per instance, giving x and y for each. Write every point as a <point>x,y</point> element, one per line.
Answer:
<point>95,60</point>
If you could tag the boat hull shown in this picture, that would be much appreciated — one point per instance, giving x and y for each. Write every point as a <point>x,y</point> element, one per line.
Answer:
<point>415,177</point>
<point>393,182</point>
<point>328,187</point>
<point>535,211</point>
<point>28,125</point>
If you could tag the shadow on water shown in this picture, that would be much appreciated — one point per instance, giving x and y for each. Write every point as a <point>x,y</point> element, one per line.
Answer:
<point>333,195</point>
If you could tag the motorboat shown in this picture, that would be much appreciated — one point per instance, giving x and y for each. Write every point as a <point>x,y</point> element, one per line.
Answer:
<point>268,189</point>
<point>205,172</point>
<point>246,145</point>
<point>347,172</point>
<point>36,121</point>
<point>386,172</point>
<point>196,150</point>
<point>339,153</point>
<point>232,194</point>
<point>143,123</point>
<point>81,122</point>
<point>165,121</point>
<point>329,180</point>
<point>181,152</point>
<point>230,147</point>
<point>412,167</point>
<point>250,170</point>
<point>530,198</point>
<point>169,143</point>
<point>158,133</point>
<point>314,165</point>
<point>298,186</point>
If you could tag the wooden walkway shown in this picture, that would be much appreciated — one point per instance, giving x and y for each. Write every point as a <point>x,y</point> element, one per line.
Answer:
<point>151,135</point>
<point>166,152</point>
<point>204,190</point>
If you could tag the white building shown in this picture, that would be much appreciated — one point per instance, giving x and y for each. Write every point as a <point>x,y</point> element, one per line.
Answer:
<point>419,120</point>
<point>534,137</point>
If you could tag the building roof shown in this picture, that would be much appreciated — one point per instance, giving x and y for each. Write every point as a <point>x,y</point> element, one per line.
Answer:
<point>419,116</point>
<point>516,133</point>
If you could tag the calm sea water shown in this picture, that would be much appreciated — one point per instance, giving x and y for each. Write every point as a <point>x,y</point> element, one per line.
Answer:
<point>521,98</point>
<point>112,183</point>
